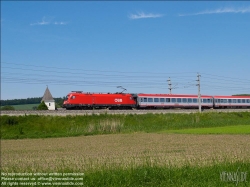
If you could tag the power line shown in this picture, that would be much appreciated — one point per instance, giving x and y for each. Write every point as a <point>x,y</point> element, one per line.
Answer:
<point>212,76</point>
<point>232,80</point>
<point>54,75</point>
<point>79,69</point>
<point>225,77</point>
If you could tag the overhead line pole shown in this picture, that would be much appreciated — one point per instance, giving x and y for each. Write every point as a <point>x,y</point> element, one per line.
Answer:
<point>170,85</point>
<point>199,91</point>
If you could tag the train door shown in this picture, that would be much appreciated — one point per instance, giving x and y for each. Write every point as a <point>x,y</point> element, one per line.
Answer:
<point>229,103</point>
<point>142,102</point>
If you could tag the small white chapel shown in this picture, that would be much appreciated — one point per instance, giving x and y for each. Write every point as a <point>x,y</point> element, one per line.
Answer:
<point>48,100</point>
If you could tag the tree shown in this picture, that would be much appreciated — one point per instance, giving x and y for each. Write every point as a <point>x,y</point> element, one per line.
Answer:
<point>42,106</point>
<point>59,102</point>
<point>34,108</point>
<point>7,107</point>
<point>58,106</point>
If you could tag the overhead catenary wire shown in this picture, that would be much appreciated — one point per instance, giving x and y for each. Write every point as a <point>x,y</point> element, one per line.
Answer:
<point>234,78</point>
<point>33,74</point>
<point>79,69</point>
<point>155,81</point>
<point>211,76</point>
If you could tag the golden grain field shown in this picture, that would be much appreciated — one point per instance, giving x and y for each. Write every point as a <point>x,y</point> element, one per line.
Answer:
<point>124,150</point>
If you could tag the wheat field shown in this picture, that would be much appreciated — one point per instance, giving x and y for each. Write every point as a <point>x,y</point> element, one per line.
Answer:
<point>86,153</point>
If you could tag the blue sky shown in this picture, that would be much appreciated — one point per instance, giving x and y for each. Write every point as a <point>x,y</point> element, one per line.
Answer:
<point>97,46</point>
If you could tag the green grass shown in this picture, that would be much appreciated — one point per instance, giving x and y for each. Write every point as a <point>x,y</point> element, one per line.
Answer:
<point>36,126</point>
<point>168,176</point>
<point>237,129</point>
<point>25,107</point>
<point>155,176</point>
<point>147,174</point>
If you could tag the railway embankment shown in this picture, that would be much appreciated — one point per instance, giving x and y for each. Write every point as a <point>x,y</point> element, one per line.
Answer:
<point>63,112</point>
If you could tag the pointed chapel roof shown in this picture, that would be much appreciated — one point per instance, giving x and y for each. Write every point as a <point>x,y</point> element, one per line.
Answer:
<point>47,95</point>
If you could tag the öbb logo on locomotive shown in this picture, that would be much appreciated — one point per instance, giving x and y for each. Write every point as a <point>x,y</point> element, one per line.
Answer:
<point>118,100</point>
<point>81,100</point>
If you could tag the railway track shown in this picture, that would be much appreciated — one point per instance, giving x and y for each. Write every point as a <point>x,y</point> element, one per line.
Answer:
<point>62,112</point>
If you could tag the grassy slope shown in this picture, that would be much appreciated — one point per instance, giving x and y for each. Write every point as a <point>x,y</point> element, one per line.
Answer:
<point>25,107</point>
<point>35,126</point>
<point>237,129</point>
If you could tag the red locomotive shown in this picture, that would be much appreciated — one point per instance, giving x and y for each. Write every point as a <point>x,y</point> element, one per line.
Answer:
<point>80,100</point>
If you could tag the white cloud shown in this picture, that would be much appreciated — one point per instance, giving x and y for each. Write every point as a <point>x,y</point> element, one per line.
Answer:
<point>48,21</point>
<point>43,22</point>
<point>60,23</point>
<point>142,15</point>
<point>40,23</point>
<point>220,11</point>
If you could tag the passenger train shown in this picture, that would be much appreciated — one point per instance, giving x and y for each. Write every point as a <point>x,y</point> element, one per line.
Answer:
<point>87,100</point>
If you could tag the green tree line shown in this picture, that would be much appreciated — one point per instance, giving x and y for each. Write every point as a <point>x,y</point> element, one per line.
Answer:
<point>242,95</point>
<point>33,100</point>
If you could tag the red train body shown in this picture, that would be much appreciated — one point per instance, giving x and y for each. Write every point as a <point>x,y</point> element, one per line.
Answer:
<point>80,100</point>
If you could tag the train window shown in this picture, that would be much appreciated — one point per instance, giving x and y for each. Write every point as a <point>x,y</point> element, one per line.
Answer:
<point>184,100</point>
<point>194,100</point>
<point>141,99</point>
<point>243,101</point>
<point>145,99</point>
<point>162,100</point>
<point>178,100</point>
<point>204,100</point>
<point>156,99</point>
<point>238,100</point>
<point>234,100</point>
<point>73,97</point>
<point>225,100</point>
<point>248,100</point>
<point>221,100</point>
<point>230,100</point>
<point>173,100</point>
<point>150,99</point>
<point>190,100</point>
<point>168,100</point>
